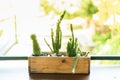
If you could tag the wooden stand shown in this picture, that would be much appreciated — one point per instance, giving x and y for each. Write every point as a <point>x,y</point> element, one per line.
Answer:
<point>43,64</point>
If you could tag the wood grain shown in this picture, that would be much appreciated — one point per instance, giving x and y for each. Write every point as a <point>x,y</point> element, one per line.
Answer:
<point>58,65</point>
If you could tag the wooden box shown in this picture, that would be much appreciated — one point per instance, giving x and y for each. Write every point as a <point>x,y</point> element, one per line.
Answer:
<point>42,64</point>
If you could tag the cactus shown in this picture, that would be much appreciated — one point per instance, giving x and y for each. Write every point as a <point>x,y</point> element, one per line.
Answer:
<point>56,39</point>
<point>36,47</point>
<point>72,45</point>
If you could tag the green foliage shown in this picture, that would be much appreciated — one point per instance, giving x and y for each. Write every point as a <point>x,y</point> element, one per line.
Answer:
<point>101,38</point>
<point>36,47</point>
<point>48,7</point>
<point>56,39</point>
<point>72,45</point>
<point>88,8</point>
<point>111,39</point>
<point>115,40</point>
<point>114,45</point>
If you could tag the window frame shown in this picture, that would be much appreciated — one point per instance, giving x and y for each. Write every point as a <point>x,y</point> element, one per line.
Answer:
<point>13,16</point>
<point>93,57</point>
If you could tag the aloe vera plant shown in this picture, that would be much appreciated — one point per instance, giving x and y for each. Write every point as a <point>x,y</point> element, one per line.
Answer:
<point>56,39</point>
<point>36,47</point>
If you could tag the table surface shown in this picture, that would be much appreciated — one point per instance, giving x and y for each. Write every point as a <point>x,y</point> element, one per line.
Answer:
<point>18,70</point>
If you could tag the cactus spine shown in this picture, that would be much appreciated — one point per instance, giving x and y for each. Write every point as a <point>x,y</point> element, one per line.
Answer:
<point>72,45</point>
<point>56,39</point>
<point>36,47</point>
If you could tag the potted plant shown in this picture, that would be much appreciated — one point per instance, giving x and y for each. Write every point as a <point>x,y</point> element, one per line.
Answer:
<point>72,61</point>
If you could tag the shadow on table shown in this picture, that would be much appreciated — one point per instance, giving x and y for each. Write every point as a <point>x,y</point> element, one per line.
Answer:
<point>49,76</point>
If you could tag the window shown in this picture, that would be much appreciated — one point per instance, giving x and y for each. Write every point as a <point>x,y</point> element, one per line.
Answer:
<point>96,25</point>
<point>7,27</point>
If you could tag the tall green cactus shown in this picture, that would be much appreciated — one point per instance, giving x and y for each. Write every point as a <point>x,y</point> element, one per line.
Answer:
<point>36,47</point>
<point>56,39</point>
<point>72,45</point>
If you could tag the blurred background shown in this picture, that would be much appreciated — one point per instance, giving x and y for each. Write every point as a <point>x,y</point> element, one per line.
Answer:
<point>96,24</point>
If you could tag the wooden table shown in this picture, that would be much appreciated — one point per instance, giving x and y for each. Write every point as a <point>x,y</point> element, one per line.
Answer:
<point>18,70</point>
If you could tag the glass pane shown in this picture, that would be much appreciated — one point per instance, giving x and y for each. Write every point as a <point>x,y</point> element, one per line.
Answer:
<point>95,22</point>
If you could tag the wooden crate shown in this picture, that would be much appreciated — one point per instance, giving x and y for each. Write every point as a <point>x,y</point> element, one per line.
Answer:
<point>42,64</point>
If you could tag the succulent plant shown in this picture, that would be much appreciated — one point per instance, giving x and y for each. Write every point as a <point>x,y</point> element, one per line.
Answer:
<point>56,39</point>
<point>72,45</point>
<point>36,47</point>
